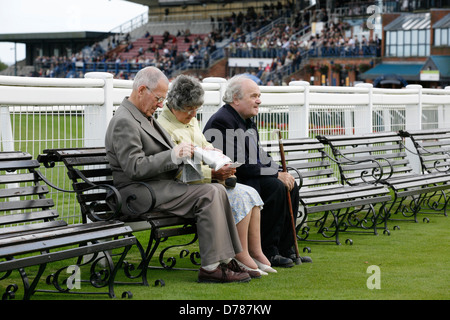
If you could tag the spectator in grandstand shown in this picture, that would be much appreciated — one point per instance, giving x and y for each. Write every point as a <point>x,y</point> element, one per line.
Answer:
<point>242,98</point>
<point>178,117</point>
<point>139,149</point>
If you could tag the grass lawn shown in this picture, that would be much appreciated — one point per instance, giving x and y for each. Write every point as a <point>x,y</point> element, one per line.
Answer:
<point>413,265</point>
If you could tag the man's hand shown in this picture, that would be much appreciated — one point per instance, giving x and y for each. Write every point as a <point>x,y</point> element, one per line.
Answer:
<point>287,179</point>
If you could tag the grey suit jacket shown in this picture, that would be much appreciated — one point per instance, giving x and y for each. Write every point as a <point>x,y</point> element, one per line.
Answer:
<point>138,151</point>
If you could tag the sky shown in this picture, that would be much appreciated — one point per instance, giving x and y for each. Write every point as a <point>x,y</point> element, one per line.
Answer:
<point>29,16</point>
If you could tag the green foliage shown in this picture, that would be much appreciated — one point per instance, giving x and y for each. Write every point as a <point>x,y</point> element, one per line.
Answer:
<point>3,66</point>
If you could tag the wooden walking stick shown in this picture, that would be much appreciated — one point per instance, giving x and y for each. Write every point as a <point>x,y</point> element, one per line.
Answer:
<point>283,163</point>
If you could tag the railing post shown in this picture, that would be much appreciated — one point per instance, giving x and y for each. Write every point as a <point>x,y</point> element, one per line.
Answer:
<point>364,114</point>
<point>208,110</point>
<point>413,113</point>
<point>299,115</point>
<point>96,118</point>
<point>6,134</point>
<point>413,121</point>
<point>444,120</point>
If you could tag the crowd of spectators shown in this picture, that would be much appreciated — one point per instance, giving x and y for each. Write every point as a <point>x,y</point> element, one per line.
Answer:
<point>284,44</point>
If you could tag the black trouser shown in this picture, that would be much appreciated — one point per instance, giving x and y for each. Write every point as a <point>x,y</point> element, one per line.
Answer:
<point>276,226</point>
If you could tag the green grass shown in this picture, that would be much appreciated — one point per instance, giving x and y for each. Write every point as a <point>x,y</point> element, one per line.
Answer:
<point>413,264</point>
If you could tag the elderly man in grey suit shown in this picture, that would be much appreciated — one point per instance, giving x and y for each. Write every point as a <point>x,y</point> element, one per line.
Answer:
<point>138,149</point>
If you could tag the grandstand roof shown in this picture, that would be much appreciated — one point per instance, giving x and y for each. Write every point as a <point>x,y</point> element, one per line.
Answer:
<point>48,41</point>
<point>166,3</point>
<point>443,23</point>
<point>45,36</point>
<point>410,22</point>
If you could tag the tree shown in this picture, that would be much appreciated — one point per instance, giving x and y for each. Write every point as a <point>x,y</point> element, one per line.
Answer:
<point>3,66</point>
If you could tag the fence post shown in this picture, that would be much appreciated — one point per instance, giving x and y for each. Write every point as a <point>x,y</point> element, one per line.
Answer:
<point>364,114</point>
<point>413,121</point>
<point>208,111</point>
<point>444,116</point>
<point>6,134</point>
<point>97,117</point>
<point>413,113</point>
<point>299,115</point>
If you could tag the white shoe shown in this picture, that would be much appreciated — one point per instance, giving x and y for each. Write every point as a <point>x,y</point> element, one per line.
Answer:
<point>246,268</point>
<point>264,267</point>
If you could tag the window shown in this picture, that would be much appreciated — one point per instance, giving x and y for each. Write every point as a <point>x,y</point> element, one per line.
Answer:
<point>410,43</point>
<point>445,37</point>
<point>437,37</point>
<point>442,37</point>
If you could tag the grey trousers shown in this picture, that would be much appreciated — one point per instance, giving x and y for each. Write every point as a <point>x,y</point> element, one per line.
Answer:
<point>208,204</point>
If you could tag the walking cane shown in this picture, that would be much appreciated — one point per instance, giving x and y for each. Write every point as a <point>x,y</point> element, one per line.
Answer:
<point>283,163</point>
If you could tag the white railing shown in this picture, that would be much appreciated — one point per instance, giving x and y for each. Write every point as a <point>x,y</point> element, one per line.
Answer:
<point>41,113</point>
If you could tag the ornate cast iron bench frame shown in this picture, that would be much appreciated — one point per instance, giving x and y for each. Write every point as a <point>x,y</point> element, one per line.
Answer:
<point>88,167</point>
<point>32,235</point>
<point>413,192</point>
<point>336,207</point>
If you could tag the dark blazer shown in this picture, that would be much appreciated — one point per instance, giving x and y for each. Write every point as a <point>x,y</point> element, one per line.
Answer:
<point>239,140</point>
<point>138,151</point>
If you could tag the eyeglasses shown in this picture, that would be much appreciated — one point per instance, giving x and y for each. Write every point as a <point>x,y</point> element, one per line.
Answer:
<point>192,111</point>
<point>158,99</point>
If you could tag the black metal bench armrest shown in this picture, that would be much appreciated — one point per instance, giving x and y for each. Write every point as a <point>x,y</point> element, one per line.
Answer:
<point>112,192</point>
<point>133,198</point>
<point>117,206</point>
<point>377,172</point>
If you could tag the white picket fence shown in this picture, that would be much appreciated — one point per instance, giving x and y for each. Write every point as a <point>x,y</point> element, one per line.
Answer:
<point>40,113</point>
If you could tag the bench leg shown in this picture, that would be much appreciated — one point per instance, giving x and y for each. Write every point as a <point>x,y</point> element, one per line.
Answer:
<point>29,289</point>
<point>183,254</point>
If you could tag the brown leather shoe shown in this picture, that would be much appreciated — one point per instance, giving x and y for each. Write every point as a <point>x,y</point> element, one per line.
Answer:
<point>222,274</point>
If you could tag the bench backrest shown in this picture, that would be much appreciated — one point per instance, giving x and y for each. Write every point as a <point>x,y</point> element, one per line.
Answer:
<point>308,157</point>
<point>432,147</point>
<point>86,167</point>
<point>23,202</point>
<point>358,152</point>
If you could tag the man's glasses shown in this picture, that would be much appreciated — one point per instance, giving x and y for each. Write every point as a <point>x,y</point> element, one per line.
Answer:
<point>158,99</point>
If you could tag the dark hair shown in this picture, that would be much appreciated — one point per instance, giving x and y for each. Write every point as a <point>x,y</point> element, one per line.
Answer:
<point>185,91</point>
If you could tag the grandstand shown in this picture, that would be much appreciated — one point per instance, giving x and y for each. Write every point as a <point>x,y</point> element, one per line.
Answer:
<point>324,42</point>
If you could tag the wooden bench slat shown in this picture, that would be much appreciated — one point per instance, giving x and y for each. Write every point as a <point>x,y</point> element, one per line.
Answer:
<point>23,191</point>
<point>69,240</point>
<point>19,164</point>
<point>31,228</point>
<point>14,155</point>
<point>66,254</point>
<point>27,217</point>
<point>26,204</point>
<point>348,204</point>
<point>17,178</point>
